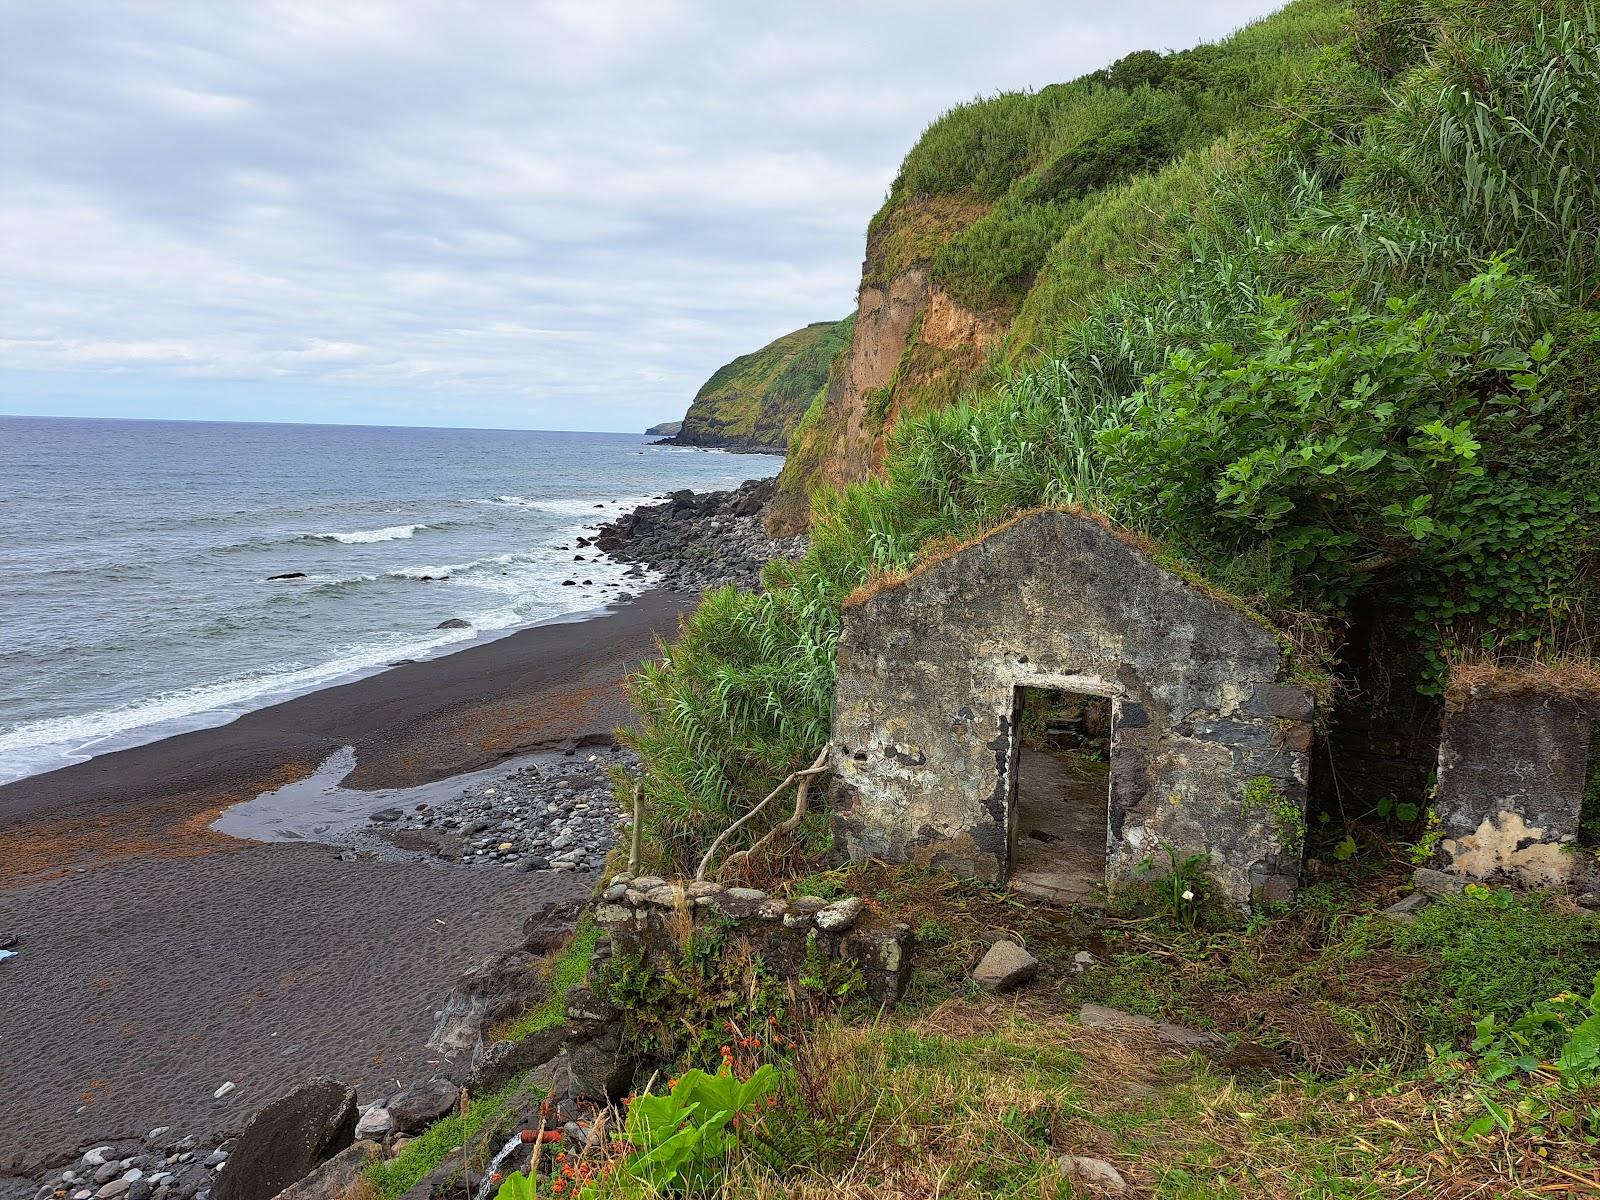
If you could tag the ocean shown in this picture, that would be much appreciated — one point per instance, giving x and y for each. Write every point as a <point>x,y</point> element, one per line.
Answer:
<point>136,598</point>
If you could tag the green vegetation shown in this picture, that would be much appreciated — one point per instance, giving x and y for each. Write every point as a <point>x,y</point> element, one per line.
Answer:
<point>1363,377</point>
<point>1334,1077</point>
<point>668,1142</point>
<point>1309,312</point>
<point>1040,160</point>
<point>394,1177</point>
<point>759,398</point>
<point>1500,954</point>
<point>566,967</point>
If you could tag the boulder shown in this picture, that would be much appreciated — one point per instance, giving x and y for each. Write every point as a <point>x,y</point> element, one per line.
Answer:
<point>287,575</point>
<point>601,1068</point>
<point>338,1178</point>
<point>550,927</point>
<point>375,1123</point>
<point>423,1103</point>
<point>496,989</point>
<point>288,1139</point>
<point>453,623</point>
<point>1005,966</point>
<point>502,1060</point>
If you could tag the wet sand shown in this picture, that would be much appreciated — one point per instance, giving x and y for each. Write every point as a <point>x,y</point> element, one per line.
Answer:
<point>159,958</point>
<point>535,689</point>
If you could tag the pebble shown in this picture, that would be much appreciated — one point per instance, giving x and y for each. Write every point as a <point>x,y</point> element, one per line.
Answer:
<point>528,820</point>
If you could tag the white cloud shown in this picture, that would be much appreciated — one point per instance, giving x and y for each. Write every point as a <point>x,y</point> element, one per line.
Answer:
<point>471,212</point>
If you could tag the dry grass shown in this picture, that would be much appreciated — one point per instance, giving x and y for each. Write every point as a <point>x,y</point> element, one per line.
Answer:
<point>1564,677</point>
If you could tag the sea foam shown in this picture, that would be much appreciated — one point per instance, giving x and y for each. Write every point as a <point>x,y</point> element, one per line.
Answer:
<point>390,533</point>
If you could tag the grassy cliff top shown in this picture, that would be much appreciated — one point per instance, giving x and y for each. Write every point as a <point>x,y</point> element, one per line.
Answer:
<point>757,399</point>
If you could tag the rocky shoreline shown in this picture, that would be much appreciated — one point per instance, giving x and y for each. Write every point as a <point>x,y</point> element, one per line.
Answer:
<point>699,540</point>
<point>553,811</point>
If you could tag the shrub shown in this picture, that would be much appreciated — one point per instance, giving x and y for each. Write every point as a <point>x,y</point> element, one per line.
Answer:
<point>1350,439</point>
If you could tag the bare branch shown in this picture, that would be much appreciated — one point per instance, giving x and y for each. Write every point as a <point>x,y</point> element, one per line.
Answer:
<point>818,767</point>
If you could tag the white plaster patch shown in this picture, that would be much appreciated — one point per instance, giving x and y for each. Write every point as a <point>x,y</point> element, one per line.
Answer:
<point>1496,847</point>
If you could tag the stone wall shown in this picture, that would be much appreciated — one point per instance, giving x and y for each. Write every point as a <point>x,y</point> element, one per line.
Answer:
<point>653,918</point>
<point>1513,765</point>
<point>1210,747</point>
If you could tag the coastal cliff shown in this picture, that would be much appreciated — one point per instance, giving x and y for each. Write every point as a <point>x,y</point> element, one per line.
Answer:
<point>754,402</point>
<point>913,345</point>
<point>1013,215</point>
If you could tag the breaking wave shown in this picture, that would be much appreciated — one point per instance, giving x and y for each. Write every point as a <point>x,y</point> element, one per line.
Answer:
<point>390,533</point>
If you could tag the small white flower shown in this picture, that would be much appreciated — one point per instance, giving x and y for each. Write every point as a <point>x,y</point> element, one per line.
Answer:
<point>1187,894</point>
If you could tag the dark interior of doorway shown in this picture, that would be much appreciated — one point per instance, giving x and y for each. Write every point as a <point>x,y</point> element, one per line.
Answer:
<point>1589,810</point>
<point>1062,795</point>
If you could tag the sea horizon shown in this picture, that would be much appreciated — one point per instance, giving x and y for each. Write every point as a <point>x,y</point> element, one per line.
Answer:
<point>17,416</point>
<point>142,601</point>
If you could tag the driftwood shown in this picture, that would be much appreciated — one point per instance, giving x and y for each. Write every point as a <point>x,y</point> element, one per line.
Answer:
<point>804,778</point>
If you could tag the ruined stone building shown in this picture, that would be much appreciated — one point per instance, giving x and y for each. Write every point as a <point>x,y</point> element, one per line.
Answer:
<point>1189,738</point>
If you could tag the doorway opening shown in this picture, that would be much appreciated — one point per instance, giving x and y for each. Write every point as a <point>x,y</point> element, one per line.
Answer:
<point>1060,795</point>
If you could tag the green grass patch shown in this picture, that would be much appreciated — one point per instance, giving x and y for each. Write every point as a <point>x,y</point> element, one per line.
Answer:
<point>570,966</point>
<point>1499,953</point>
<point>393,1178</point>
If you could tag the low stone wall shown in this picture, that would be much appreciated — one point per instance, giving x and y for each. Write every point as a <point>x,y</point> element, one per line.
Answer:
<point>1513,768</point>
<point>652,917</point>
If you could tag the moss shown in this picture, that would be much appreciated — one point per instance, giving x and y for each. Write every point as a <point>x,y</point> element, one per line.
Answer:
<point>569,967</point>
<point>1497,953</point>
<point>1266,795</point>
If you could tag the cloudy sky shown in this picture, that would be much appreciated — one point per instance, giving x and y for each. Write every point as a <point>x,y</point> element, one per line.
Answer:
<point>530,215</point>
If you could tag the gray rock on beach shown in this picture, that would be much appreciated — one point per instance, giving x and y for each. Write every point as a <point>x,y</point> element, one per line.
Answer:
<point>423,1103</point>
<point>288,1139</point>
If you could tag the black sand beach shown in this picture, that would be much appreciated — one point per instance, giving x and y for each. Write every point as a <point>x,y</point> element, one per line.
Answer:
<point>159,959</point>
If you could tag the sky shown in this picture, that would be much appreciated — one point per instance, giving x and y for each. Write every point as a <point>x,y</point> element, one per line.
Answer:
<point>547,215</point>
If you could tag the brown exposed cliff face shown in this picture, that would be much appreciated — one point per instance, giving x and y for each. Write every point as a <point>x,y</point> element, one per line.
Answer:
<point>913,348</point>
<point>951,326</point>
<point>838,451</point>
